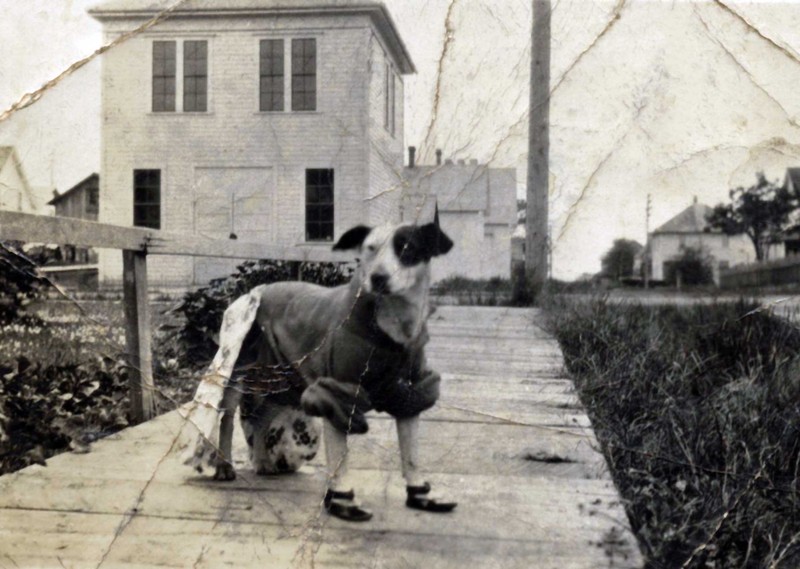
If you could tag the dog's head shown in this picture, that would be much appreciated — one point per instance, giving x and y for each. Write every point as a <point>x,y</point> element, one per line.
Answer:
<point>394,258</point>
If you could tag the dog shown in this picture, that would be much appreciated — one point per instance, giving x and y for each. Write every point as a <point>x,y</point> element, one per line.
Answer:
<point>329,353</point>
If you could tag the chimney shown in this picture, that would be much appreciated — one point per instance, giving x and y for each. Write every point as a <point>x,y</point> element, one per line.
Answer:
<point>438,156</point>
<point>412,151</point>
<point>55,193</point>
<point>473,161</point>
<point>448,162</point>
<point>461,163</point>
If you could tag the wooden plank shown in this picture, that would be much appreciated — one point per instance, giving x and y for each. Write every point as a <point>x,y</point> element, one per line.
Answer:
<point>513,512</point>
<point>62,230</point>
<point>137,336</point>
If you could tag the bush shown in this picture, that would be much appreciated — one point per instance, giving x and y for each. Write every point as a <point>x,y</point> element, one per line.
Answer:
<point>202,309</point>
<point>46,409</point>
<point>693,267</point>
<point>19,283</point>
<point>696,410</point>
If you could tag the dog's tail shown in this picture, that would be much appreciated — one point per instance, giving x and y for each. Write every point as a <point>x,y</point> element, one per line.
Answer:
<point>200,432</point>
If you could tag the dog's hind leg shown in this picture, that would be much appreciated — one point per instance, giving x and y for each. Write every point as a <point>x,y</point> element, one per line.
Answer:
<point>224,467</point>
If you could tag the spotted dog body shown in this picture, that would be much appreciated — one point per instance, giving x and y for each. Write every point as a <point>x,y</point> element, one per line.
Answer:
<point>333,353</point>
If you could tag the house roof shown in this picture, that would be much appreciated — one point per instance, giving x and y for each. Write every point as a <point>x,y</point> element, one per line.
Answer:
<point>793,174</point>
<point>690,220</point>
<point>5,153</point>
<point>9,154</point>
<point>91,178</point>
<point>464,188</point>
<point>121,9</point>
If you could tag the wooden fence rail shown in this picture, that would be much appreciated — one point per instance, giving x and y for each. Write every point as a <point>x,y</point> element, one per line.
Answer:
<point>775,273</point>
<point>136,244</point>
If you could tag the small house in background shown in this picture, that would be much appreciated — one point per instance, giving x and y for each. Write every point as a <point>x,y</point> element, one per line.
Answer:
<point>15,192</point>
<point>690,229</point>
<point>477,209</point>
<point>76,266</point>
<point>81,201</point>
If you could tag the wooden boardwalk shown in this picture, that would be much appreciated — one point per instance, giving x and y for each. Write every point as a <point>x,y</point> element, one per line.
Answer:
<point>508,440</point>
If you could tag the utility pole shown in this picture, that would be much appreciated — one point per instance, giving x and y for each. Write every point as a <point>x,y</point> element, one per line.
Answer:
<point>647,245</point>
<point>536,245</point>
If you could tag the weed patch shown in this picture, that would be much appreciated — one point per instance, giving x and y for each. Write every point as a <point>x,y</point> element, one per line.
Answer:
<point>696,409</point>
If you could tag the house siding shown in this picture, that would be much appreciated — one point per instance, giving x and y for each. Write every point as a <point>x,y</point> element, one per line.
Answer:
<point>235,134</point>
<point>385,150</point>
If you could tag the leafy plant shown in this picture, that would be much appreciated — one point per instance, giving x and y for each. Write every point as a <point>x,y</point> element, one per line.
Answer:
<point>47,409</point>
<point>19,283</point>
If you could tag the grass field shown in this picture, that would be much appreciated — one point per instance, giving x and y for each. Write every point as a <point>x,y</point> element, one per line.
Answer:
<point>696,408</point>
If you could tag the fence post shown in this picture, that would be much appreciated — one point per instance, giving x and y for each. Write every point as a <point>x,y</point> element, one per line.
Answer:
<point>137,336</point>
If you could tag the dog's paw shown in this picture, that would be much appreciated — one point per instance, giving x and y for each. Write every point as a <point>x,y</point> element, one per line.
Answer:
<point>225,472</point>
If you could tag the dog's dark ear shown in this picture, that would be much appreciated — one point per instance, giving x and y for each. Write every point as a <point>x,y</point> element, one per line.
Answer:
<point>435,241</point>
<point>352,238</point>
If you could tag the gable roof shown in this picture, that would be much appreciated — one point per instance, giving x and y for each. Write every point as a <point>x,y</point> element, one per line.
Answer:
<point>381,18</point>
<point>690,220</point>
<point>5,153</point>
<point>463,188</point>
<point>793,175</point>
<point>92,178</point>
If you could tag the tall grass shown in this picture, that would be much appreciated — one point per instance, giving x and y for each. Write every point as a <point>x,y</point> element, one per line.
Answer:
<point>698,413</point>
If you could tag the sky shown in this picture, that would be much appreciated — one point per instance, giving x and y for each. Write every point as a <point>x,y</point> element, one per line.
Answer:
<point>672,99</point>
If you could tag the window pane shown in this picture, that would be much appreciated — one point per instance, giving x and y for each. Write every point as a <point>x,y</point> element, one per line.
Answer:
<point>195,76</point>
<point>304,74</point>
<point>319,204</point>
<point>163,99</point>
<point>147,198</point>
<point>271,75</point>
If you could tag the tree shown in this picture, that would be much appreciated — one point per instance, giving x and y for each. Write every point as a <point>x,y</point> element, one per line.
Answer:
<point>619,260</point>
<point>760,212</point>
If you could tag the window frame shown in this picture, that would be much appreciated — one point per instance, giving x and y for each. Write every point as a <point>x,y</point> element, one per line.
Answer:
<point>195,73</point>
<point>279,78</point>
<point>317,205</point>
<point>162,64</point>
<point>150,220</point>
<point>300,76</point>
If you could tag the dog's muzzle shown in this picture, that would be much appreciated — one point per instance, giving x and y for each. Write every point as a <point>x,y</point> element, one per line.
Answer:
<point>380,283</point>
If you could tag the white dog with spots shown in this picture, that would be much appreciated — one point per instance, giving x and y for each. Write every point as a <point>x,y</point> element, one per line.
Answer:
<point>291,351</point>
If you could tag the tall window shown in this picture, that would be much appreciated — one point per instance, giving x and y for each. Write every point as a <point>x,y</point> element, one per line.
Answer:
<point>304,74</point>
<point>163,76</point>
<point>195,76</point>
<point>391,102</point>
<point>147,198</point>
<point>271,75</point>
<point>319,205</point>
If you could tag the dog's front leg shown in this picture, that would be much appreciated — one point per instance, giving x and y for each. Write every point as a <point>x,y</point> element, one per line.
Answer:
<point>418,494</point>
<point>340,497</point>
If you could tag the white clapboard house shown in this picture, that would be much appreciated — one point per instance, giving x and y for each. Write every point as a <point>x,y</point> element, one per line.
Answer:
<point>278,121</point>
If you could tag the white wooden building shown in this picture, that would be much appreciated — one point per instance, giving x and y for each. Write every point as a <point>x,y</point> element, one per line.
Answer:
<point>477,209</point>
<point>279,121</point>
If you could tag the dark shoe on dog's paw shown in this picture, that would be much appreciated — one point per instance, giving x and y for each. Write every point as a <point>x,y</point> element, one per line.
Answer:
<point>225,472</point>
<point>340,505</point>
<point>416,498</point>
